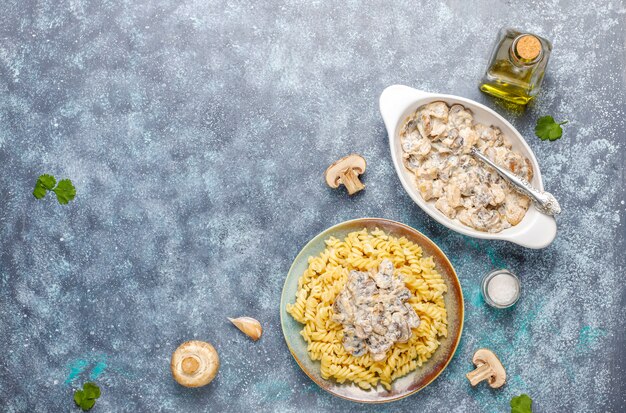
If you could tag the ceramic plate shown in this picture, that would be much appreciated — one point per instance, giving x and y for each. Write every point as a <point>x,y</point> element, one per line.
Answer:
<point>403,386</point>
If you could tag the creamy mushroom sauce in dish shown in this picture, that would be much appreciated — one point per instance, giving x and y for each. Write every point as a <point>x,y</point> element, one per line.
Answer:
<point>436,141</point>
<point>374,312</point>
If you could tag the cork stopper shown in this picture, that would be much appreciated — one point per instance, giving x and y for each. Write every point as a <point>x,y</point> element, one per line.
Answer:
<point>528,47</point>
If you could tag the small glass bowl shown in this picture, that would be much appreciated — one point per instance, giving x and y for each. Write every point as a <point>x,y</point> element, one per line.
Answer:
<point>485,284</point>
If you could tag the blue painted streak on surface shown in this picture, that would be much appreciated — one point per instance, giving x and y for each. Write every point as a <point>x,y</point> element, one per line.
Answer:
<point>81,365</point>
<point>76,368</point>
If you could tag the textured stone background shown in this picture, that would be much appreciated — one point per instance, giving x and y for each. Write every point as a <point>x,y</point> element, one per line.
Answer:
<point>197,132</point>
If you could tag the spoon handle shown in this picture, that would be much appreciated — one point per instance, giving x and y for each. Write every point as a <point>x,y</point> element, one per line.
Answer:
<point>544,201</point>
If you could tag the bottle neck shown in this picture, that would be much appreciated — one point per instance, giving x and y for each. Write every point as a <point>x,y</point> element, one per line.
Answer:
<point>526,50</point>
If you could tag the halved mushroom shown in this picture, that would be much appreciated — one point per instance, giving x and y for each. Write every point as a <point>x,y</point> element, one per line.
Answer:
<point>413,319</point>
<point>441,147</point>
<point>438,128</point>
<point>529,170</point>
<point>427,170</point>
<point>384,276</point>
<point>515,206</point>
<point>517,164</point>
<point>426,189</point>
<point>405,331</point>
<point>482,196</point>
<point>438,110</point>
<point>422,147</point>
<point>410,127</point>
<point>410,141</point>
<point>487,133</point>
<point>453,140</point>
<point>498,194</point>
<point>453,195</point>
<point>485,219</point>
<point>339,311</point>
<point>378,346</point>
<point>346,171</point>
<point>465,215</point>
<point>468,138</point>
<point>411,161</point>
<point>194,363</point>
<point>423,124</point>
<point>488,367</point>
<point>379,329</point>
<point>443,206</point>
<point>459,115</point>
<point>497,154</point>
<point>466,182</point>
<point>449,166</point>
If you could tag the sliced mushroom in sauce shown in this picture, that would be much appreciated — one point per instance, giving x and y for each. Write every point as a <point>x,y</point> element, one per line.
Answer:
<point>374,311</point>
<point>436,142</point>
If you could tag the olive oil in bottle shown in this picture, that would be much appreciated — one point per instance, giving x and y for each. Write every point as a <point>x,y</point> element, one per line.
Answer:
<point>517,66</point>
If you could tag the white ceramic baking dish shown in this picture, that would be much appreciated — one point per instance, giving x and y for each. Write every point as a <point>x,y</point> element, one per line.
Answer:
<point>536,230</point>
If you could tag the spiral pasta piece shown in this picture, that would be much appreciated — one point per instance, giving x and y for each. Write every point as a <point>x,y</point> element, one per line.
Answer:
<point>324,279</point>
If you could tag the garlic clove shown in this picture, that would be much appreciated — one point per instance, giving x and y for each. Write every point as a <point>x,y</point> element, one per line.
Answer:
<point>249,326</point>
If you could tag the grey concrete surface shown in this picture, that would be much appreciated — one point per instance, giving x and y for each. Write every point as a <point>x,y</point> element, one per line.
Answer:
<point>197,133</point>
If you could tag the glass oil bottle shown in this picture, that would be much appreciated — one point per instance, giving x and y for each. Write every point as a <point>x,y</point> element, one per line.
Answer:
<point>517,65</point>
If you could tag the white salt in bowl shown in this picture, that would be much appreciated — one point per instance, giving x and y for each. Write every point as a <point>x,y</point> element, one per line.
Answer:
<point>397,102</point>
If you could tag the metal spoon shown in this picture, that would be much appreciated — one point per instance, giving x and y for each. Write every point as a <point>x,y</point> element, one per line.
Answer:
<point>544,201</point>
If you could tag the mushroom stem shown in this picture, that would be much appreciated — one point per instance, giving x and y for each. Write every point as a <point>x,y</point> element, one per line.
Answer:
<point>483,372</point>
<point>190,365</point>
<point>351,181</point>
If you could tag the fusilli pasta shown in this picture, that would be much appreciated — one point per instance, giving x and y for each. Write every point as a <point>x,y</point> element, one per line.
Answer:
<point>324,279</point>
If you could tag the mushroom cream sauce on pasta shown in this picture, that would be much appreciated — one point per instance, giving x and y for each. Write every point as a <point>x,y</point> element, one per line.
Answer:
<point>325,278</point>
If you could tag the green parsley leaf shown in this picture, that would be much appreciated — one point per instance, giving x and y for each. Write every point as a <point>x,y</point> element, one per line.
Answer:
<point>65,191</point>
<point>91,390</point>
<point>521,404</point>
<point>39,191</point>
<point>87,404</point>
<point>43,185</point>
<point>548,129</point>
<point>79,396</point>
<point>47,181</point>
<point>86,398</point>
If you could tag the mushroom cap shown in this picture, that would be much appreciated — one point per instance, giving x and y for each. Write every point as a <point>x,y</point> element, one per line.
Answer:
<point>486,356</point>
<point>352,161</point>
<point>194,363</point>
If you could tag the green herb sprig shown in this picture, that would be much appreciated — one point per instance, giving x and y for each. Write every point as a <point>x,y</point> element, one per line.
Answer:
<point>64,190</point>
<point>86,398</point>
<point>521,404</point>
<point>547,129</point>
